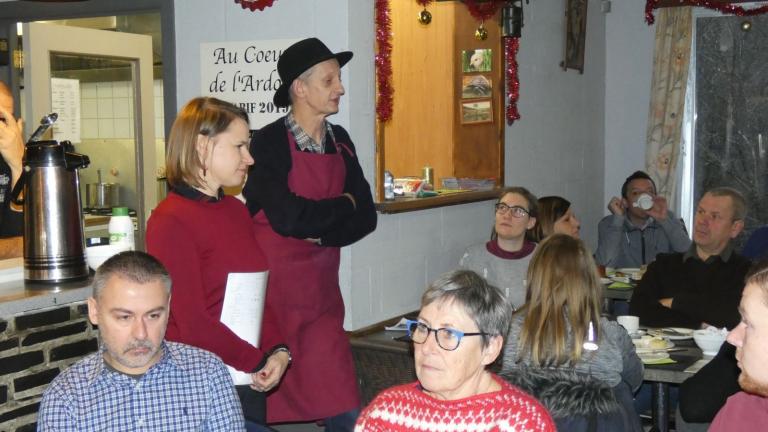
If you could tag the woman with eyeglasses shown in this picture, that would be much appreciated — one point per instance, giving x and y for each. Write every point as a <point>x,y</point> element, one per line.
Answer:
<point>503,260</point>
<point>555,217</point>
<point>460,330</point>
<point>581,366</point>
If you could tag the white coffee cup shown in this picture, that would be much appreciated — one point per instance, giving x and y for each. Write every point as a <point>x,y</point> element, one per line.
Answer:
<point>644,201</point>
<point>629,322</point>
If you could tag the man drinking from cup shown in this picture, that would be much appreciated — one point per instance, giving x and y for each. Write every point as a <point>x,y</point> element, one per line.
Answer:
<point>640,226</point>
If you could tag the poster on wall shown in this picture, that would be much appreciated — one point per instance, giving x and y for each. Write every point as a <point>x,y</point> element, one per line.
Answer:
<point>65,101</point>
<point>245,74</point>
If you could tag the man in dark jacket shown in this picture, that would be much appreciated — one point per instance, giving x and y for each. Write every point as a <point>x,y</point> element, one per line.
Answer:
<point>703,285</point>
<point>309,198</point>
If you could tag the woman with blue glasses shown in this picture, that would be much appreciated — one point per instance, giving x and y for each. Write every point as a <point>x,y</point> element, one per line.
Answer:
<point>459,332</point>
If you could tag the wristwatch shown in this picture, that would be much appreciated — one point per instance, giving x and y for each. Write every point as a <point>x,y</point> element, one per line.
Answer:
<point>285,350</point>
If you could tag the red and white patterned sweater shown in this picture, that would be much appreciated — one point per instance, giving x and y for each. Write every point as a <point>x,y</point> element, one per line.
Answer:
<point>408,408</point>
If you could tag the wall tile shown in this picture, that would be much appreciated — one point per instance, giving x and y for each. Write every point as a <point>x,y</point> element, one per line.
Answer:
<point>121,108</point>
<point>20,362</point>
<point>55,333</point>
<point>89,129</point>
<point>105,108</point>
<point>88,90</point>
<point>106,128</point>
<point>122,89</point>
<point>34,380</point>
<point>122,128</point>
<point>89,108</point>
<point>53,316</point>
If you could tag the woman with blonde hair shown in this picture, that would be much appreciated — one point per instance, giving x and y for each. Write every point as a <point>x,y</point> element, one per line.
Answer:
<point>205,239</point>
<point>581,366</point>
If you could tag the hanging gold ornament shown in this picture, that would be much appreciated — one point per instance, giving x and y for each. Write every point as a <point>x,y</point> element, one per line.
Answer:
<point>481,33</point>
<point>425,17</point>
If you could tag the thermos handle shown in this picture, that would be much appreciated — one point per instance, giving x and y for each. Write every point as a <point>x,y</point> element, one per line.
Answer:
<point>18,188</point>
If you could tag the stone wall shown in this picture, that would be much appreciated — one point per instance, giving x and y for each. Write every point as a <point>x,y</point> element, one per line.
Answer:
<point>34,348</point>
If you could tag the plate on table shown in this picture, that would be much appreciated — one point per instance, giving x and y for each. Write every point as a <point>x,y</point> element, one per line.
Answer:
<point>631,272</point>
<point>642,349</point>
<point>605,280</point>
<point>676,333</point>
<point>653,357</point>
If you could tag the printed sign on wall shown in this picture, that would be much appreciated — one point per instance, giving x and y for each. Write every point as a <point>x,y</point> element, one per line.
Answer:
<point>245,74</point>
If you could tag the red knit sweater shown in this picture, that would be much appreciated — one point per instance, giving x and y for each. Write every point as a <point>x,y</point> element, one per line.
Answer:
<point>200,243</point>
<point>408,408</point>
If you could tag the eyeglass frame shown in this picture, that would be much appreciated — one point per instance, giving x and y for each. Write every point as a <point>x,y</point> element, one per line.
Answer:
<point>456,333</point>
<point>502,209</point>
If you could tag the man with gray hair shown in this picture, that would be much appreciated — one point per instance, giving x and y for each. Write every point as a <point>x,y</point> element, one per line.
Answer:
<point>11,153</point>
<point>703,285</point>
<point>138,380</point>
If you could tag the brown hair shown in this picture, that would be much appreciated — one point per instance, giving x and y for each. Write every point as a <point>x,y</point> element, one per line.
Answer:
<point>204,116</point>
<point>551,208</point>
<point>533,208</point>
<point>563,297</point>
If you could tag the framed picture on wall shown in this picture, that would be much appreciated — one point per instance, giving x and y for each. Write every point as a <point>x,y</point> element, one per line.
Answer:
<point>475,86</point>
<point>478,60</point>
<point>479,111</point>
<point>575,34</point>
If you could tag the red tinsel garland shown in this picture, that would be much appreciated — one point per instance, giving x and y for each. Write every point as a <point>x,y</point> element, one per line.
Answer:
<point>255,4</point>
<point>511,45</point>
<point>725,8</point>
<point>485,10</point>
<point>383,60</point>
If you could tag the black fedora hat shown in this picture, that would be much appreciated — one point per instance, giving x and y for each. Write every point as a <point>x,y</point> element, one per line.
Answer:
<point>299,57</point>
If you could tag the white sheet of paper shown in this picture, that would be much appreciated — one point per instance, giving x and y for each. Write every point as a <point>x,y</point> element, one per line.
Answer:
<point>242,311</point>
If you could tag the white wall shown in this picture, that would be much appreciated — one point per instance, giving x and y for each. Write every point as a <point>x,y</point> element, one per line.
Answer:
<point>629,58</point>
<point>556,148</point>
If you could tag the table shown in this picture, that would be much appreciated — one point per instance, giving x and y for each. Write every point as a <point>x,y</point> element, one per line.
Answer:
<point>381,361</point>
<point>661,376</point>
<point>611,294</point>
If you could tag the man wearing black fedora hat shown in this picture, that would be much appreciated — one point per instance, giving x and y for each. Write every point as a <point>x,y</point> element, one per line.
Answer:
<point>309,198</point>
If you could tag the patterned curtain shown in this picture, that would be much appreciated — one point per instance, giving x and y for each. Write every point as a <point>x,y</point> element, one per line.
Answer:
<point>671,57</point>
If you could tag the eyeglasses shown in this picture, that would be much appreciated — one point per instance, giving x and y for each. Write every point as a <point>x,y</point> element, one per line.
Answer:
<point>447,338</point>
<point>517,211</point>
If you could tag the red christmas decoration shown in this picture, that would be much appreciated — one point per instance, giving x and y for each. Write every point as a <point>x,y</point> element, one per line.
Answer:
<point>383,61</point>
<point>482,11</point>
<point>725,8</point>
<point>511,45</point>
<point>255,4</point>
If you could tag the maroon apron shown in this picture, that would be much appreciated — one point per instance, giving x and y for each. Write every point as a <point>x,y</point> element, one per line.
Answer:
<point>304,293</point>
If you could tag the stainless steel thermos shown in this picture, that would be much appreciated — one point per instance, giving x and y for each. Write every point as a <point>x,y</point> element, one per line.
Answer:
<point>54,246</point>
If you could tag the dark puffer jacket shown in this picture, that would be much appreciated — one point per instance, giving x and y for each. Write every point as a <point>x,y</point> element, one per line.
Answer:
<point>578,402</point>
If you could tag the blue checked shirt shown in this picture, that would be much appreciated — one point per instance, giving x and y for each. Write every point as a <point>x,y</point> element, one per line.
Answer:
<point>189,389</point>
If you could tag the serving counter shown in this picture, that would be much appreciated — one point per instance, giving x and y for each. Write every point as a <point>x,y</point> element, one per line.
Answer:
<point>44,328</point>
<point>18,296</point>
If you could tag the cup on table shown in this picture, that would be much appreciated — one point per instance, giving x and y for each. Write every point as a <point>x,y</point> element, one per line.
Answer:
<point>630,322</point>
